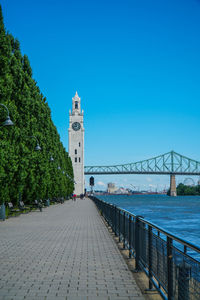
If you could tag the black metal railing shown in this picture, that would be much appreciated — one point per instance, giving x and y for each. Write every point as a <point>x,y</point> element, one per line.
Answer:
<point>171,263</point>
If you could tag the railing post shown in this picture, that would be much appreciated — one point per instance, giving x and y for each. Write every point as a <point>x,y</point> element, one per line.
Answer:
<point>115,220</point>
<point>112,217</point>
<point>137,243</point>
<point>184,274</point>
<point>124,230</point>
<point>104,211</point>
<point>109,215</point>
<point>150,255</point>
<point>130,236</point>
<point>169,268</point>
<point>119,225</point>
<point>158,255</point>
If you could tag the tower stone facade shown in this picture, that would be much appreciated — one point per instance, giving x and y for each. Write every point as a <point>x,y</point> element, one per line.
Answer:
<point>76,143</point>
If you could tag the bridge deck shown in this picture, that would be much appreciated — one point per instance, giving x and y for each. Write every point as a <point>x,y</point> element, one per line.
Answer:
<point>65,252</point>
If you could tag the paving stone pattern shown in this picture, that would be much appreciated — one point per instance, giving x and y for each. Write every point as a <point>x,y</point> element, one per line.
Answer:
<point>64,252</point>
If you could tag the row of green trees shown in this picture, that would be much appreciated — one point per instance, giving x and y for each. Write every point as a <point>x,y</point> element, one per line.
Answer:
<point>188,190</point>
<point>185,190</point>
<point>22,169</point>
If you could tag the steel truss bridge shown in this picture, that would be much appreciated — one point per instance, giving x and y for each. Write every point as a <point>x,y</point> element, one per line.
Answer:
<point>170,163</point>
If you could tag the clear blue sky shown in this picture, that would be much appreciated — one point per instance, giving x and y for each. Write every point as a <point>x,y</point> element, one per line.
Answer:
<point>135,65</point>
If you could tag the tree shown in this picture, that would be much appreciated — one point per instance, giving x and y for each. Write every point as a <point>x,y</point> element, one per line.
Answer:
<point>22,169</point>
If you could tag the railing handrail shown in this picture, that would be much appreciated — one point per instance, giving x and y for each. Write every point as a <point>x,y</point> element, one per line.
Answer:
<point>160,229</point>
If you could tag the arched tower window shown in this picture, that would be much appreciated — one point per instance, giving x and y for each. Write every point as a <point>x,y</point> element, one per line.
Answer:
<point>76,104</point>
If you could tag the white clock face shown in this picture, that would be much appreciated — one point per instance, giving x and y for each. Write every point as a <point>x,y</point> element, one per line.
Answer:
<point>76,126</point>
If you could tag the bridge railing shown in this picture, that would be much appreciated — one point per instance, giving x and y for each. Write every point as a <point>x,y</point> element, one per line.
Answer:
<point>171,263</point>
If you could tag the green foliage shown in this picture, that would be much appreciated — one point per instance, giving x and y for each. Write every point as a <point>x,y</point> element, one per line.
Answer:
<point>188,190</point>
<point>22,169</point>
<point>185,190</point>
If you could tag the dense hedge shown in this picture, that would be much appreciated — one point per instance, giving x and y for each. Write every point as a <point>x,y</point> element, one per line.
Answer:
<point>22,169</point>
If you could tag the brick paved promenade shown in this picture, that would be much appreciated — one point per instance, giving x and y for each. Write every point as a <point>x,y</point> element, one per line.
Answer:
<point>65,252</point>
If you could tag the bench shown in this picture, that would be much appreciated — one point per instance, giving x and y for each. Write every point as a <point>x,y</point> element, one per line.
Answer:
<point>38,204</point>
<point>12,209</point>
<point>22,207</point>
<point>60,200</point>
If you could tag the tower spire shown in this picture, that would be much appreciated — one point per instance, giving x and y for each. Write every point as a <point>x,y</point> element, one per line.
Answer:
<point>76,104</point>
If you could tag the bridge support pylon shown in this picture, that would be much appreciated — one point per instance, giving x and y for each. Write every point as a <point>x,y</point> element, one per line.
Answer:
<point>173,185</point>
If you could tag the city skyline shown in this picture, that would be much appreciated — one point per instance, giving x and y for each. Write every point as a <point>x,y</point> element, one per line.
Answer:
<point>135,67</point>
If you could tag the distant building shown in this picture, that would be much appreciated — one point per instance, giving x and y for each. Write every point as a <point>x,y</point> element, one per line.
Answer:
<point>111,188</point>
<point>122,190</point>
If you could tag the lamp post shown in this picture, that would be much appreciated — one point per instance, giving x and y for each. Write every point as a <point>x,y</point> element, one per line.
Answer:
<point>71,178</point>
<point>8,121</point>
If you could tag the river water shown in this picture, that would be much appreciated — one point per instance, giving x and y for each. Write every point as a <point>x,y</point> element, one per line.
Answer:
<point>180,215</point>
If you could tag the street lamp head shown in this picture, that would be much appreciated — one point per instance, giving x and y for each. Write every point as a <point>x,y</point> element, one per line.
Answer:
<point>38,148</point>
<point>51,158</point>
<point>8,122</point>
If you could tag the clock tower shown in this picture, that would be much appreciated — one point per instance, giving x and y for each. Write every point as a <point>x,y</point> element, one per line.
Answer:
<point>76,144</point>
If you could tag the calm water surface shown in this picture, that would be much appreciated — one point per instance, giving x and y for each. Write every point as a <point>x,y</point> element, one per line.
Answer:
<point>179,215</point>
